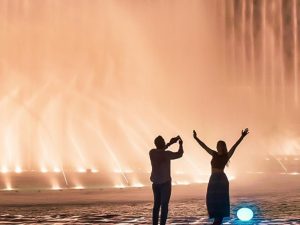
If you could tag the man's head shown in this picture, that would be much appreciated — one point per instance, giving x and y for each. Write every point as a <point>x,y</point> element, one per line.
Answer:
<point>160,142</point>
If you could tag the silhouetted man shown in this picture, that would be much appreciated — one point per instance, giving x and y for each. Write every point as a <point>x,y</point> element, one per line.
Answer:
<point>161,176</point>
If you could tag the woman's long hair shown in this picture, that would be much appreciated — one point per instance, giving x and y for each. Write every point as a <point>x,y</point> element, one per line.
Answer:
<point>222,148</point>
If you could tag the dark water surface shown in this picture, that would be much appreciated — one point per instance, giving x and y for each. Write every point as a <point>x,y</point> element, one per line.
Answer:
<point>269,209</point>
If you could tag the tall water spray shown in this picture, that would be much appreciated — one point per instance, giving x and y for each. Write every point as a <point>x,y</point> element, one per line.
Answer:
<point>262,47</point>
<point>86,86</point>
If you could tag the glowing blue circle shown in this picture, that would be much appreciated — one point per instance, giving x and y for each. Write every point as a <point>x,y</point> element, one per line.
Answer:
<point>244,214</point>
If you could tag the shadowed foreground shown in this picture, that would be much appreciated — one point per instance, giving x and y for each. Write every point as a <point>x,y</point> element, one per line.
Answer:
<point>274,202</point>
<point>276,210</point>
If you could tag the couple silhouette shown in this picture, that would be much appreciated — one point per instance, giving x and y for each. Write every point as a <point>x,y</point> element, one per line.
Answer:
<point>217,196</point>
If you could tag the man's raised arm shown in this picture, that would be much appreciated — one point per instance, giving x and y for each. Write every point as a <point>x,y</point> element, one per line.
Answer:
<point>178,154</point>
<point>172,141</point>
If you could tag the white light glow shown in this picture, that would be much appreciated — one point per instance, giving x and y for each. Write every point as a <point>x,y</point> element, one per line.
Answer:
<point>56,170</point>
<point>4,169</point>
<point>245,214</point>
<point>201,181</point>
<point>119,186</point>
<point>44,170</point>
<point>138,185</point>
<point>94,171</point>
<point>294,173</point>
<point>8,187</point>
<point>231,177</point>
<point>183,182</point>
<point>56,187</point>
<point>81,170</point>
<point>18,169</point>
<point>79,187</point>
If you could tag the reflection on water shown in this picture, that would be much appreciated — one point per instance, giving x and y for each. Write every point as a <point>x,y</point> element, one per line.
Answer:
<point>277,209</point>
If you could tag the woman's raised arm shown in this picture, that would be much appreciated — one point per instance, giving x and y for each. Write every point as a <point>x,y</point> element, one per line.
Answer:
<point>231,151</point>
<point>209,151</point>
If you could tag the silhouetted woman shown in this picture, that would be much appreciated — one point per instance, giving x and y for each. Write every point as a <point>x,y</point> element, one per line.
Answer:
<point>217,197</point>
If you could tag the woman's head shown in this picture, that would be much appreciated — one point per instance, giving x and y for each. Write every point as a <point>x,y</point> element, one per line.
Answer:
<point>222,148</point>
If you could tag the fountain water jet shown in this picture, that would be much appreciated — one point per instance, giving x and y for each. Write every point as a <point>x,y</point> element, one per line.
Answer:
<point>87,86</point>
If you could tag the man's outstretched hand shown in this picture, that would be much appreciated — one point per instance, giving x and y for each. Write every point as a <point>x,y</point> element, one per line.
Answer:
<point>174,139</point>
<point>180,141</point>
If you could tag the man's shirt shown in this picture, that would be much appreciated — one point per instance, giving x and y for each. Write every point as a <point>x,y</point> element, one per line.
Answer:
<point>161,164</point>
